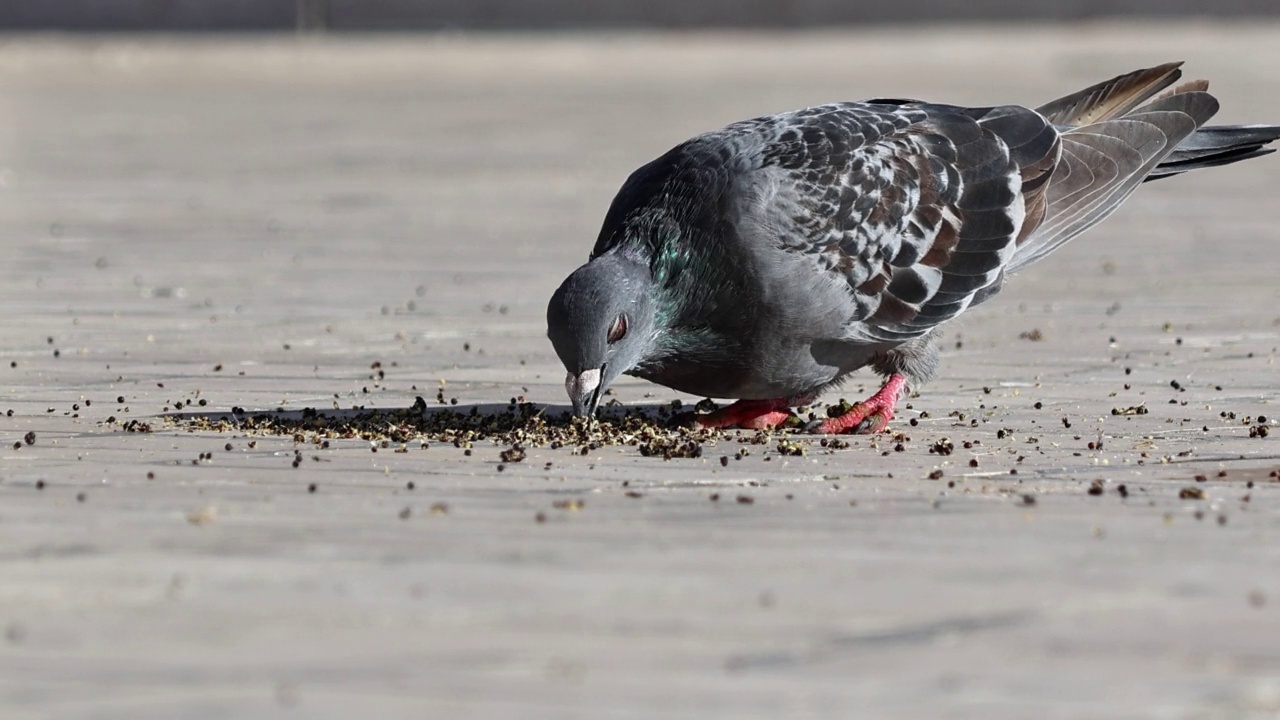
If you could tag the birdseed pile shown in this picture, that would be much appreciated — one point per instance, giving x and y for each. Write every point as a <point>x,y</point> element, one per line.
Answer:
<point>665,431</point>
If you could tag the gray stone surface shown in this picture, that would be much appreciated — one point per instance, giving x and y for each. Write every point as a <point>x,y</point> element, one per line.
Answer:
<point>295,211</point>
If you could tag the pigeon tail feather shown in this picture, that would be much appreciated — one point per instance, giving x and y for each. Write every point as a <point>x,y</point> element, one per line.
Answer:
<point>1217,145</point>
<point>1103,162</point>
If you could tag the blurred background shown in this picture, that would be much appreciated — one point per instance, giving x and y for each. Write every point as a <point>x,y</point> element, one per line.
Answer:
<point>200,15</point>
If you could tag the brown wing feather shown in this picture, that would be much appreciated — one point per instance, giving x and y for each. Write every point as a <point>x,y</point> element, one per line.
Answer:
<point>1112,98</point>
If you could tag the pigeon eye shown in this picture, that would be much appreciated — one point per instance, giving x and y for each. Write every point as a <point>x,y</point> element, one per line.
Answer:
<point>618,329</point>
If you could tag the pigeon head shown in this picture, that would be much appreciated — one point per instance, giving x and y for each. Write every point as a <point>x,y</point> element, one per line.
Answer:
<point>601,322</point>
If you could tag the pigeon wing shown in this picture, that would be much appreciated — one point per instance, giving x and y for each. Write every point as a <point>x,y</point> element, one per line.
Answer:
<point>917,207</point>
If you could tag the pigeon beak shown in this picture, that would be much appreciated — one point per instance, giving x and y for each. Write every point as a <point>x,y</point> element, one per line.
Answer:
<point>584,391</point>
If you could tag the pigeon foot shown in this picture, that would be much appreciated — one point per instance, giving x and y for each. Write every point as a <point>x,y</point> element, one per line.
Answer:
<point>748,414</point>
<point>868,417</point>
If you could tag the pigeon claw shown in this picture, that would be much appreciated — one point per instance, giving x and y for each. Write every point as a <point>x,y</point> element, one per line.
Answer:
<point>748,414</point>
<point>868,417</point>
<point>861,419</point>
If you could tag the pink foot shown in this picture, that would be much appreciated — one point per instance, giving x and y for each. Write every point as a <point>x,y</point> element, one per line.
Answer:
<point>749,414</point>
<point>870,416</point>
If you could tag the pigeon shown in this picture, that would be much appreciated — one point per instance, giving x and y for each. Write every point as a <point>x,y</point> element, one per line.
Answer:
<point>769,260</point>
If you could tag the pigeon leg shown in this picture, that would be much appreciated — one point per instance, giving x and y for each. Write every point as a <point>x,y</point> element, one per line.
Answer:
<point>870,416</point>
<point>749,414</point>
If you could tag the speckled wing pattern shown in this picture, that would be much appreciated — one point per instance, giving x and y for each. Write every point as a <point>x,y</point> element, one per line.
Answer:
<point>919,207</point>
